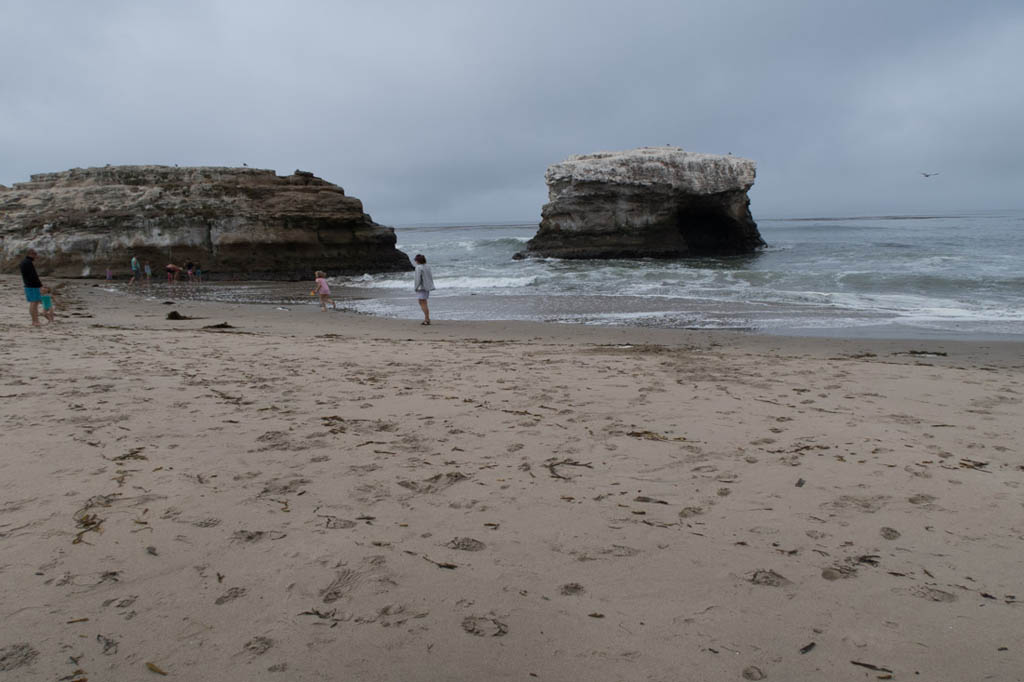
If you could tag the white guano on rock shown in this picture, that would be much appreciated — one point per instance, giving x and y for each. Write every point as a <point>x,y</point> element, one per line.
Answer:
<point>660,202</point>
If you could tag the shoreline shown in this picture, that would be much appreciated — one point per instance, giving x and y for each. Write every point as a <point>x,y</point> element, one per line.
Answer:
<point>1002,351</point>
<point>897,332</point>
<point>307,495</point>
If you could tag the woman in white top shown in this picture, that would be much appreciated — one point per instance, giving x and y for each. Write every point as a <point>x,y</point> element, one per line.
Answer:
<point>423,284</point>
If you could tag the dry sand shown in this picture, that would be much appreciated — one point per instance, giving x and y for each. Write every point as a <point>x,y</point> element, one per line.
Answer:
<point>310,496</point>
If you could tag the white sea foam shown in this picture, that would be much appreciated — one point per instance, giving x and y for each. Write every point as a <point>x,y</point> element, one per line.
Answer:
<point>485,282</point>
<point>965,314</point>
<point>621,315</point>
<point>450,284</point>
<point>382,283</point>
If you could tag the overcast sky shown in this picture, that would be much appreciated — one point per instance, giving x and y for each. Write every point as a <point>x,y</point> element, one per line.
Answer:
<point>452,111</point>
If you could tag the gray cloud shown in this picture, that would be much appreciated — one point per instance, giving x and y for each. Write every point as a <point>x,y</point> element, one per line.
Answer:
<point>453,110</point>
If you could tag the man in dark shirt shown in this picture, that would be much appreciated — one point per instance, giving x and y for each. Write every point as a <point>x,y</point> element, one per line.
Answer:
<point>32,285</point>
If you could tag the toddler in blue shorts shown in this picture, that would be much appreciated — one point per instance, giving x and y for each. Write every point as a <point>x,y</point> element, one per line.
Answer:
<point>47,297</point>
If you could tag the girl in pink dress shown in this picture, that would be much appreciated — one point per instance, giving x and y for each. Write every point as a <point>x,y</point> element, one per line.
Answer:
<point>323,291</point>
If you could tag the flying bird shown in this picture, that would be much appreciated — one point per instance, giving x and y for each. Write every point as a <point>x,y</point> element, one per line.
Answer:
<point>928,175</point>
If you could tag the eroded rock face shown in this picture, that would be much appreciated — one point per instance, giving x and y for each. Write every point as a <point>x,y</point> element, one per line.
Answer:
<point>652,202</point>
<point>235,222</point>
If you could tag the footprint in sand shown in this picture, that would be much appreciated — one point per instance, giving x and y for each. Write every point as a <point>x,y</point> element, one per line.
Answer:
<point>231,595</point>
<point>865,503</point>
<point>371,493</point>
<point>753,673</point>
<point>769,578</point>
<point>484,626</point>
<point>109,645</point>
<point>259,645</point>
<point>255,535</point>
<point>17,656</point>
<point>435,483</point>
<point>889,533</point>
<point>336,523</point>
<point>466,544</point>
<point>838,572</point>
<point>278,486</point>
<point>344,582</point>
<point>931,594</point>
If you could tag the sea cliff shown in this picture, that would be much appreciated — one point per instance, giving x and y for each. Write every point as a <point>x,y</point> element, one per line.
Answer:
<point>236,222</point>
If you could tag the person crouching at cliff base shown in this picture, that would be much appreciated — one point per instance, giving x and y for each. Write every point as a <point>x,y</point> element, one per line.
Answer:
<point>33,286</point>
<point>423,284</point>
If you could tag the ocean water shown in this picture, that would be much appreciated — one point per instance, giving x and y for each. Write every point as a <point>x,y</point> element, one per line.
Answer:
<point>911,276</point>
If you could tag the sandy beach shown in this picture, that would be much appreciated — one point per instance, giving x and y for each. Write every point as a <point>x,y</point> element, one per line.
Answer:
<point>327,496</point>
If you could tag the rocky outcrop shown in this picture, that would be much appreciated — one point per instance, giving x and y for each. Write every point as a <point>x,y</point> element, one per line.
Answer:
<point>652,202</point>
<point>235,222</point>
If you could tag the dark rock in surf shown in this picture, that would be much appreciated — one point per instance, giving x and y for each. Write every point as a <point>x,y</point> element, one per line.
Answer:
<point>652,202</point>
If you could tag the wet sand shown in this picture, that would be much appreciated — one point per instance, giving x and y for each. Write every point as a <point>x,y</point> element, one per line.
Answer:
<point>303,496</point>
